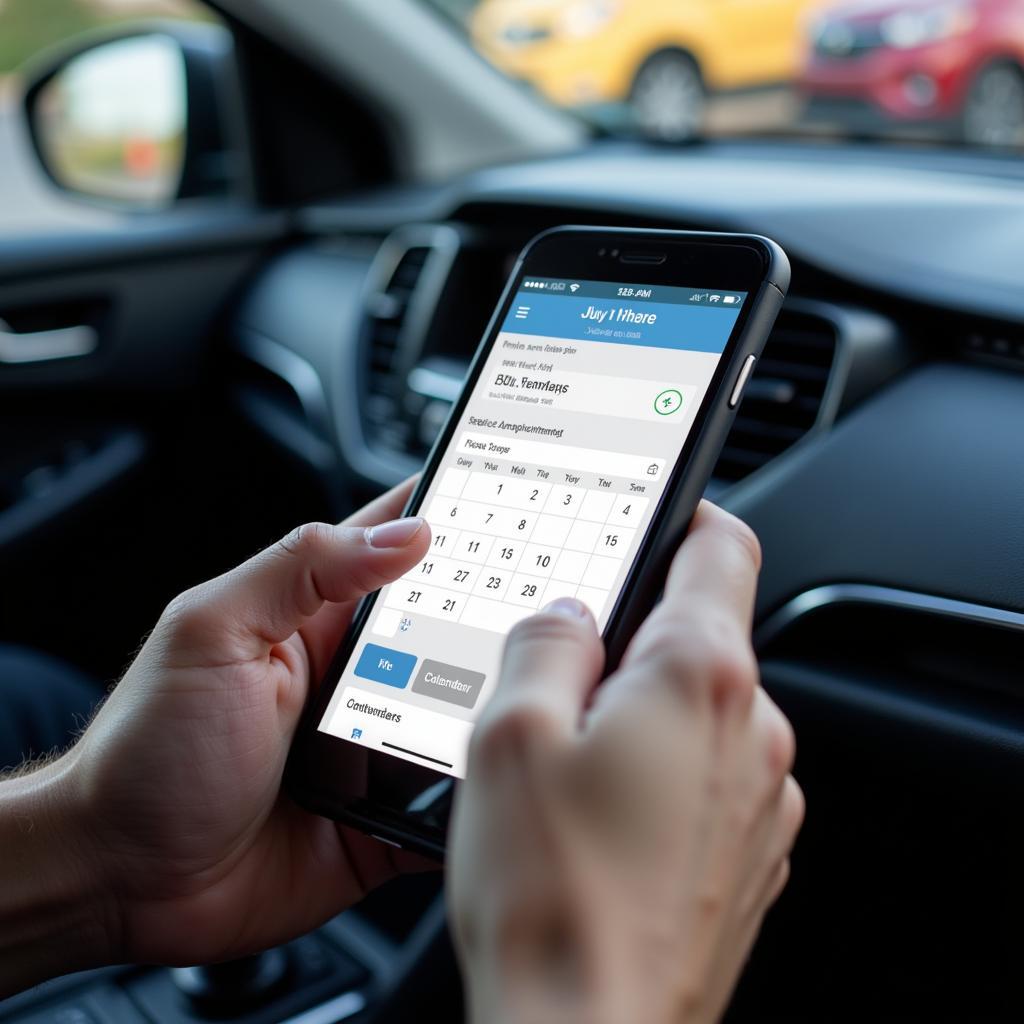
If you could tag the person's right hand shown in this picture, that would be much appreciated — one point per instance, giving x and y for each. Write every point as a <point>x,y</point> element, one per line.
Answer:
<point>614,851</point>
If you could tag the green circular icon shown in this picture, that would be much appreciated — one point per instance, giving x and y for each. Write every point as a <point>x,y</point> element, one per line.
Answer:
<point>668,402</point>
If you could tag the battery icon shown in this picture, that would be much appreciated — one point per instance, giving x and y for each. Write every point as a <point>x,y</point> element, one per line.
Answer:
<point>730,300</point>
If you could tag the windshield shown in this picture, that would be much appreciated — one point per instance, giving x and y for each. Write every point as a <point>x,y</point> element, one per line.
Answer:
<point>939,71</point>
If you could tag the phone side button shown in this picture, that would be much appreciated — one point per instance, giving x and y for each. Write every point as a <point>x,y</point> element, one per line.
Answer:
<point>741,381</point>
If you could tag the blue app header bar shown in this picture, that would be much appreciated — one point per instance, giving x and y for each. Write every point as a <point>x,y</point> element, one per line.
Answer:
<point>696,328</point>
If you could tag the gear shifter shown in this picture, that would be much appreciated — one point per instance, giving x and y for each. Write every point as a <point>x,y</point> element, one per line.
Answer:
<point>235,984</point>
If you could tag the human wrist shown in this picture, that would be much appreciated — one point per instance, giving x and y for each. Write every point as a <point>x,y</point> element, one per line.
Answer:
<point>546,983</point>
<point>527,1001</point>
<point>593,983</point>
<point>56,914</point>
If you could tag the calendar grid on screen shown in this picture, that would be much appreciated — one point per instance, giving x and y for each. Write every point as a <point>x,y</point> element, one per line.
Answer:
<point>506,542</point>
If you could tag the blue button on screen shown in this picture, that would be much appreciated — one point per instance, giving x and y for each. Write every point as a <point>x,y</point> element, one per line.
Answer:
<point>383,665</point>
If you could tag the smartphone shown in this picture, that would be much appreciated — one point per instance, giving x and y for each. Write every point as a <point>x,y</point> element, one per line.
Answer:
<point>591,419</point>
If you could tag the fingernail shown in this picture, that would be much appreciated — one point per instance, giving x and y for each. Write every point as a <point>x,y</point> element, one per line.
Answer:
<point>395,534</point>
<point>567,606</point>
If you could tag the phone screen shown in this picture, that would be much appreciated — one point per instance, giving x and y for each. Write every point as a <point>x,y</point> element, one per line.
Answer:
<point>553,475</point>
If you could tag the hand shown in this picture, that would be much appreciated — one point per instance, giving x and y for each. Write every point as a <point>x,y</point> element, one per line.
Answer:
<point>176,782</point>
<point>614,851</point>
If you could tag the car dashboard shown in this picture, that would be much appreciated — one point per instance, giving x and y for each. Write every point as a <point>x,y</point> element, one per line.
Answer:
<point>877,453</point>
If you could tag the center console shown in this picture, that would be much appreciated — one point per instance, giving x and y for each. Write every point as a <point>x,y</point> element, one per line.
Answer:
<point>365,965</point>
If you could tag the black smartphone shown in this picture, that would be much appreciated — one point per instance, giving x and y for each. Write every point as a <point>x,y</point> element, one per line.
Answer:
<point>590,422</point>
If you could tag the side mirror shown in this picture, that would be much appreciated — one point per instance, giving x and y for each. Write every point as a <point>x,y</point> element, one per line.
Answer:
<point>140,119</point>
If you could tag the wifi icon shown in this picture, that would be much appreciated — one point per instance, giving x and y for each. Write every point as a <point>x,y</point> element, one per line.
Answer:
<point>574,288</point>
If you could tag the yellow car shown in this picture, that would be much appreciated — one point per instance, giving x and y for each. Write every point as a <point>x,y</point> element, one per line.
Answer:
<point>661,57</point>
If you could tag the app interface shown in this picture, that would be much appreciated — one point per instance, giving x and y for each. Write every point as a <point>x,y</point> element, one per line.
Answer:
<point>552,476</point>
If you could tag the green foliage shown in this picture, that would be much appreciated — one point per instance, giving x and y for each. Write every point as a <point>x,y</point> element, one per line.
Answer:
<point>28,26</point>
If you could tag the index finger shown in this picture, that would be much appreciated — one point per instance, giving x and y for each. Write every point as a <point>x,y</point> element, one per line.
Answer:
<point>717,565</point>
<point>701,628</point>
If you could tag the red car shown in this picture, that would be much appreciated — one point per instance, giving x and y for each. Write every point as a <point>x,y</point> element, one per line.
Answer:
<point>956,66</point>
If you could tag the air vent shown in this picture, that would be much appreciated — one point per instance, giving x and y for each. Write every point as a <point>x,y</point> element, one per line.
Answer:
<point>1004,347</point>
<point>406,283</point>
<point>784,397</point>
<point>387,318</point>
<point>387,311</point>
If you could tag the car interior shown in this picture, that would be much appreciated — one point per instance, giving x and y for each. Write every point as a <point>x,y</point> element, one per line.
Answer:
<point>185,377</point>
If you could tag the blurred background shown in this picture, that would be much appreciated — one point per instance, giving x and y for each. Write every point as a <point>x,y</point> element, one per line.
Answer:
<point>927,72</point>
<point>243,271</point>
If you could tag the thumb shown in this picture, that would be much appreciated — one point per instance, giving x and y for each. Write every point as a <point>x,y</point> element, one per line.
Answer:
<point>551,664</point>
<point>266,599</point>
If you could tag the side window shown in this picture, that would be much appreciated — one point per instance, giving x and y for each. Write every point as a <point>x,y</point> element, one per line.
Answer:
<point>107,105</point>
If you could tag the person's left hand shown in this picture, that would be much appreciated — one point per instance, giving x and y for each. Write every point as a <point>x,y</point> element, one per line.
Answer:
<point>178,776</point>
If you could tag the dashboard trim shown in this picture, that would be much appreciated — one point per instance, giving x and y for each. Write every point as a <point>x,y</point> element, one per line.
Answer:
<point>443,242</point>
<point>431,383</point>
<point>869,350</point>
<point>833,594</point>
<point>298,373</point>
<point>348,1004</point>
<point>857,330</point>
<point>382,466</point>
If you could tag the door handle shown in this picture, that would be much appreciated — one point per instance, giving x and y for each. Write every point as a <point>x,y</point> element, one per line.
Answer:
<point>42,346</point>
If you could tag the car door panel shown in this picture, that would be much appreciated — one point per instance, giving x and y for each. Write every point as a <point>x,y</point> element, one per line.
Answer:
<point>115,464</point>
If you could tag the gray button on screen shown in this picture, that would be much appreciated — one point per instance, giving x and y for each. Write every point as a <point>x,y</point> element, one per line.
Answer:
<point>448,682</point>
